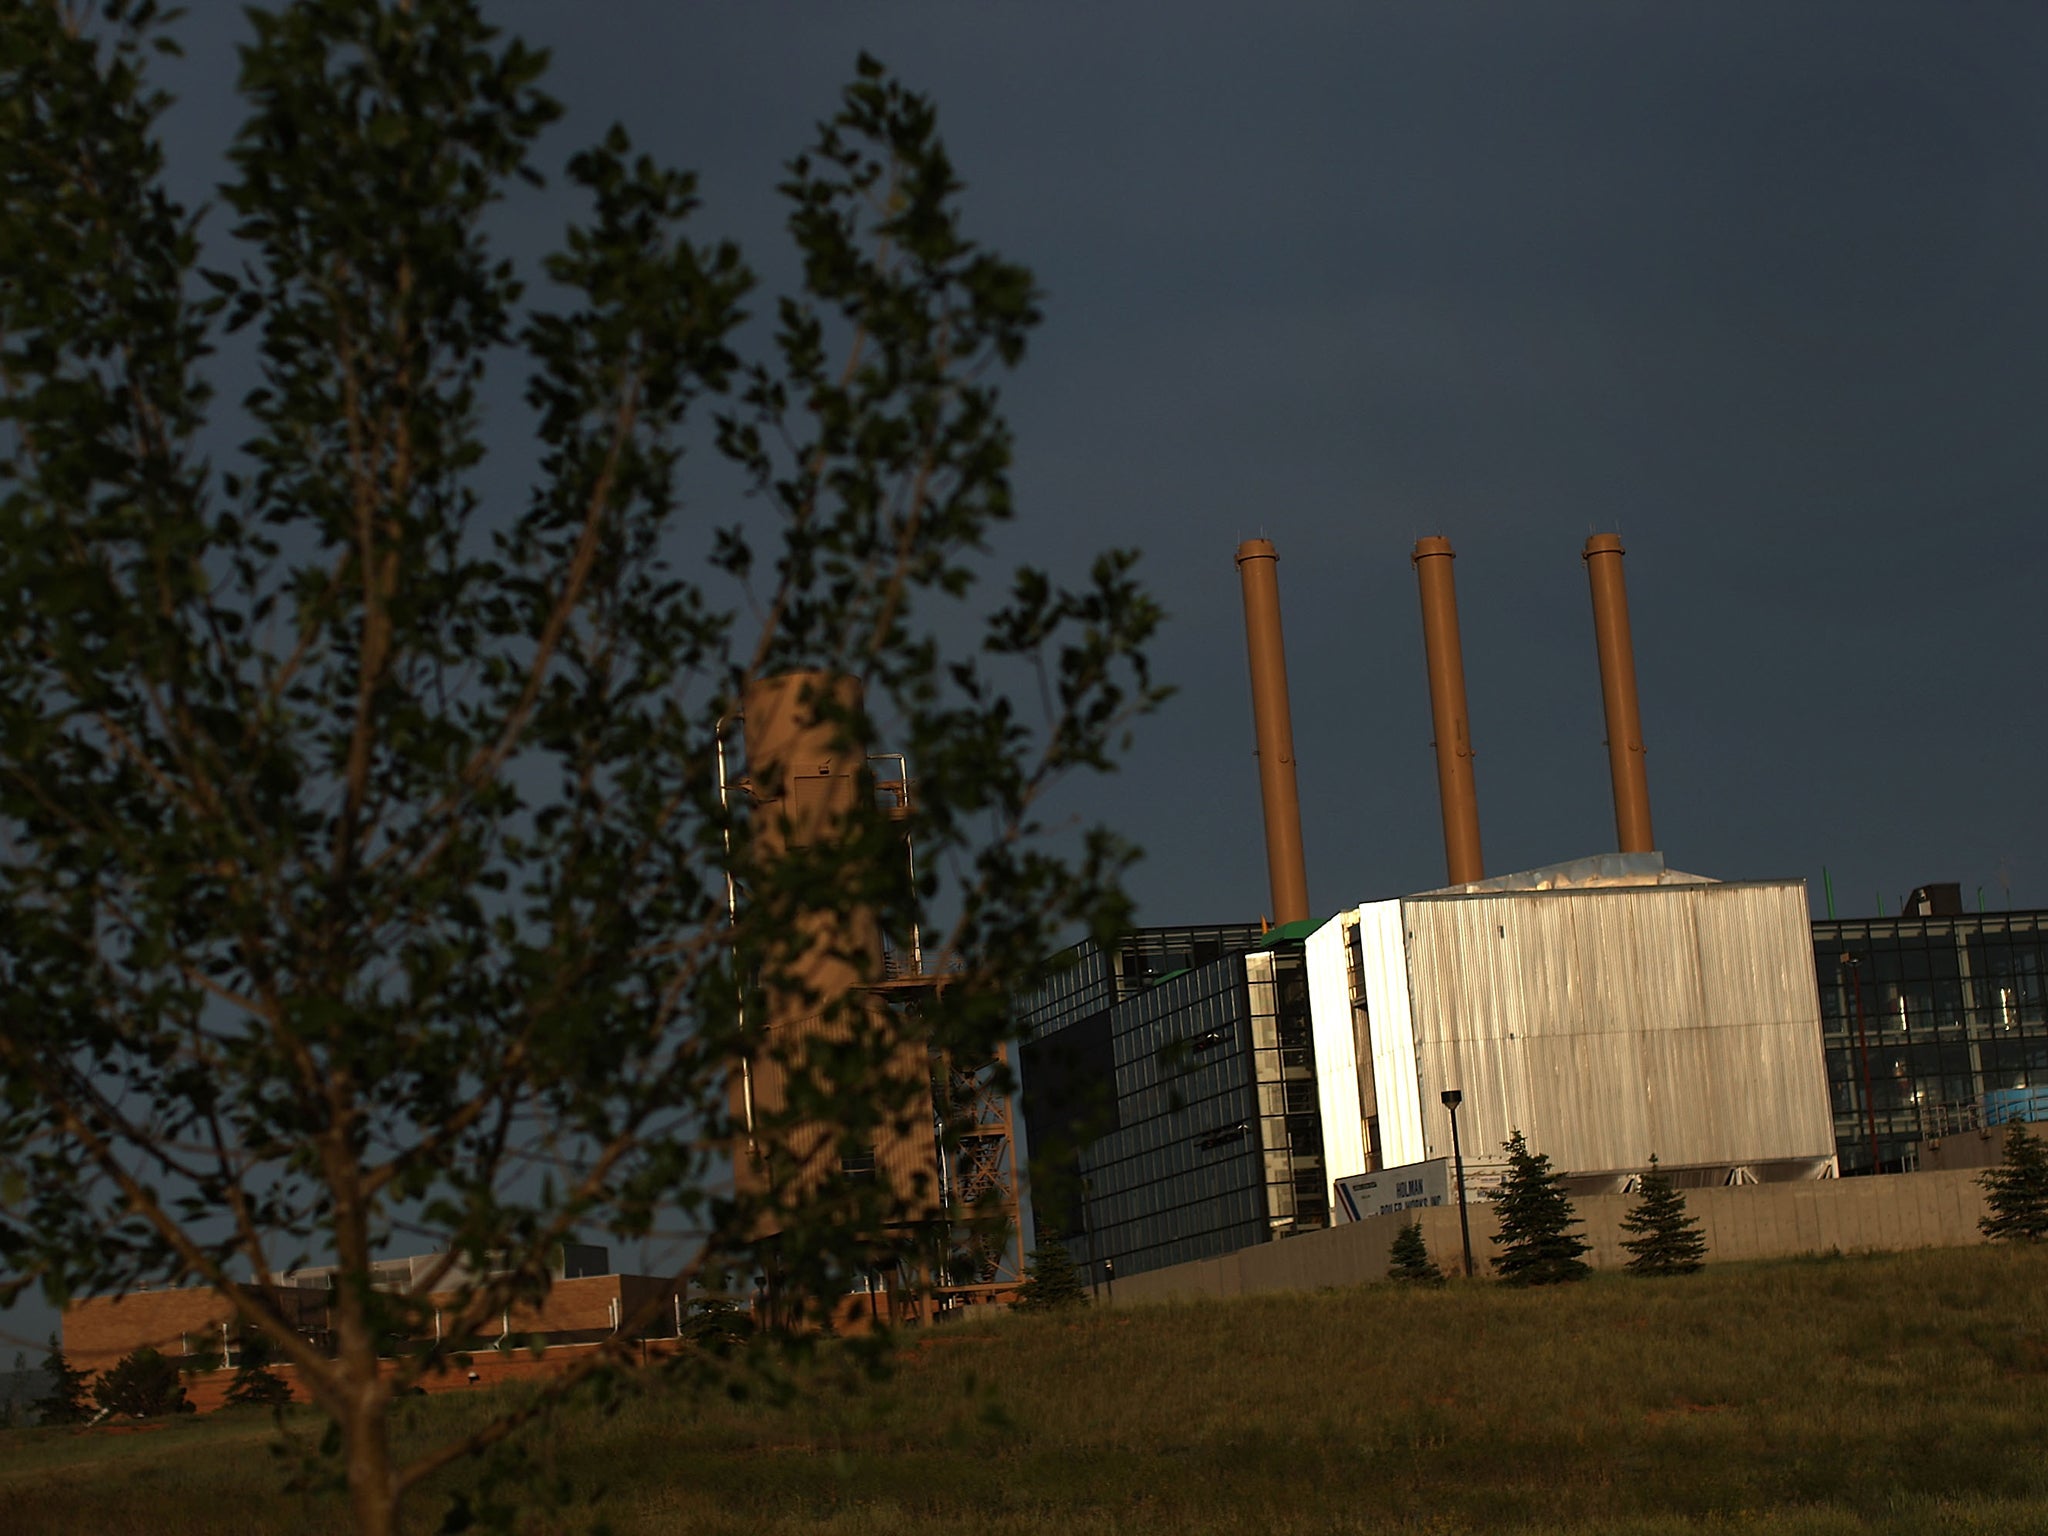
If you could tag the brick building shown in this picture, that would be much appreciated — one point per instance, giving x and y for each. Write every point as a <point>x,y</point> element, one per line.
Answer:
<point>194,1324</point>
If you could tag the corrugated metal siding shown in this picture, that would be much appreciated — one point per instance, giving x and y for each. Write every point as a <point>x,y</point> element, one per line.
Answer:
<point>1329,1007</point>
<point>1610,1024</point>
<point>1383,953</point>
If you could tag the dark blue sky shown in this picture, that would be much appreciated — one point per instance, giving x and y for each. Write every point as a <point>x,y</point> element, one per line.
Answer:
<point>1762,291</point>
<point>1760,287</point>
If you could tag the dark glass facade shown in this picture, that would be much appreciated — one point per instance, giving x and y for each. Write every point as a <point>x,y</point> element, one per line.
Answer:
<point>1170,1108</point>
<point>1932,1026</point>
<point>1088,978</point>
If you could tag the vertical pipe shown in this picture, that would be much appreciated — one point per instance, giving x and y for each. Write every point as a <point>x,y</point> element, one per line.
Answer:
<point>1446,655</point>
<point>1273,727</point>
<point>1616,646</point>
<point>732,920</point>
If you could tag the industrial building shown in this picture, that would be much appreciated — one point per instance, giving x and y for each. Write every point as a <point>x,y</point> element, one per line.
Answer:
<point>1198,1090</point>
<point>1611,1009</point>
<point>1935,1025</point>
<point>1169,1096</point>
<point>940,1155</point>
<point>1947,1041</point>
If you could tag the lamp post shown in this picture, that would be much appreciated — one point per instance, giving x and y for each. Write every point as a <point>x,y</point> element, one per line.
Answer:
<point>1452,1098</point>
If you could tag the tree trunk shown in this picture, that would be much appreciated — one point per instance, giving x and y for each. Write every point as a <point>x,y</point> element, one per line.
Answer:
<point>372,1487</point>
<point>365,1410</point>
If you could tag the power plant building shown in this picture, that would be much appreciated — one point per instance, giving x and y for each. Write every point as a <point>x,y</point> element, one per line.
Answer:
<point>1609,1009</point>
<point>1200,1090</point>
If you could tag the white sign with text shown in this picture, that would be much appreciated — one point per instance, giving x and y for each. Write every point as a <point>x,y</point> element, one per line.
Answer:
<point>1394,1189</point>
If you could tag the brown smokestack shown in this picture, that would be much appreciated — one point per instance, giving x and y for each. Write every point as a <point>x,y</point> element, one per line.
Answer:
<point>1273,726</point>
<point>804,774</point>
<point>1446,655</point>
<point>1618,690</point>
<point>805,779</point>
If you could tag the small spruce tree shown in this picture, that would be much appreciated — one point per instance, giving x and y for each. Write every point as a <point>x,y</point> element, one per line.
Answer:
<point>1664,1238</point>
<point>144,1385</point>
<point>1408,1260</point>
<point>1051,1279</point>
<point>65,1402</point>
<point>2017,1190</point>
<point>1537,1245</point>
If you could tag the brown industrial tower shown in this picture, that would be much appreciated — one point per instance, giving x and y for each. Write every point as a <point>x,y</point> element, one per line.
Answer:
<point>806,780</point>
<point>1446,658</point>
<point>1616,645</point>
<point>1273,728</point>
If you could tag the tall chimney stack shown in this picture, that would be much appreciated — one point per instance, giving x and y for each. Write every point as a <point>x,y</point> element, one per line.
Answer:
<point>1446,655</point>
<point>1618,691</point>
<point>1273,726</point>
<point>804,784</point>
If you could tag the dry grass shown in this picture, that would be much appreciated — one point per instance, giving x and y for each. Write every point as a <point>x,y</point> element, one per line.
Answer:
<point>1904,1393</point>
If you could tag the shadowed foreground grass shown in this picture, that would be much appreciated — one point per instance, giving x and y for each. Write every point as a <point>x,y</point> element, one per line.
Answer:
<point>1895,1394</point>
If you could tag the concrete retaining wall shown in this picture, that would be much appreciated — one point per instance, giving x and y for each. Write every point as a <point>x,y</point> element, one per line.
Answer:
<point>1748,1221</point>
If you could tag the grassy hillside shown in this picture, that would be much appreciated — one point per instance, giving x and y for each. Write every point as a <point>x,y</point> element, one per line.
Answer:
<point>1902,1393</point>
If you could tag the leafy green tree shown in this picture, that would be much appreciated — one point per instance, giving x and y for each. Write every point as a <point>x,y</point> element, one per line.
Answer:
<point>367,863</point>
<point>66,1400</point>
<point>1537,1244</point>
<point>142,1385</point>
<point>1664,1238</point>
<point>1052,1280</point>
<point>1408,1260</point>
<point>257,1386</point>
<point>2016,1191</point>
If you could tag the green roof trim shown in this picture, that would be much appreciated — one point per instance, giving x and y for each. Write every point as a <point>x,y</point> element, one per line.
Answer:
<point>1287,932</point>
